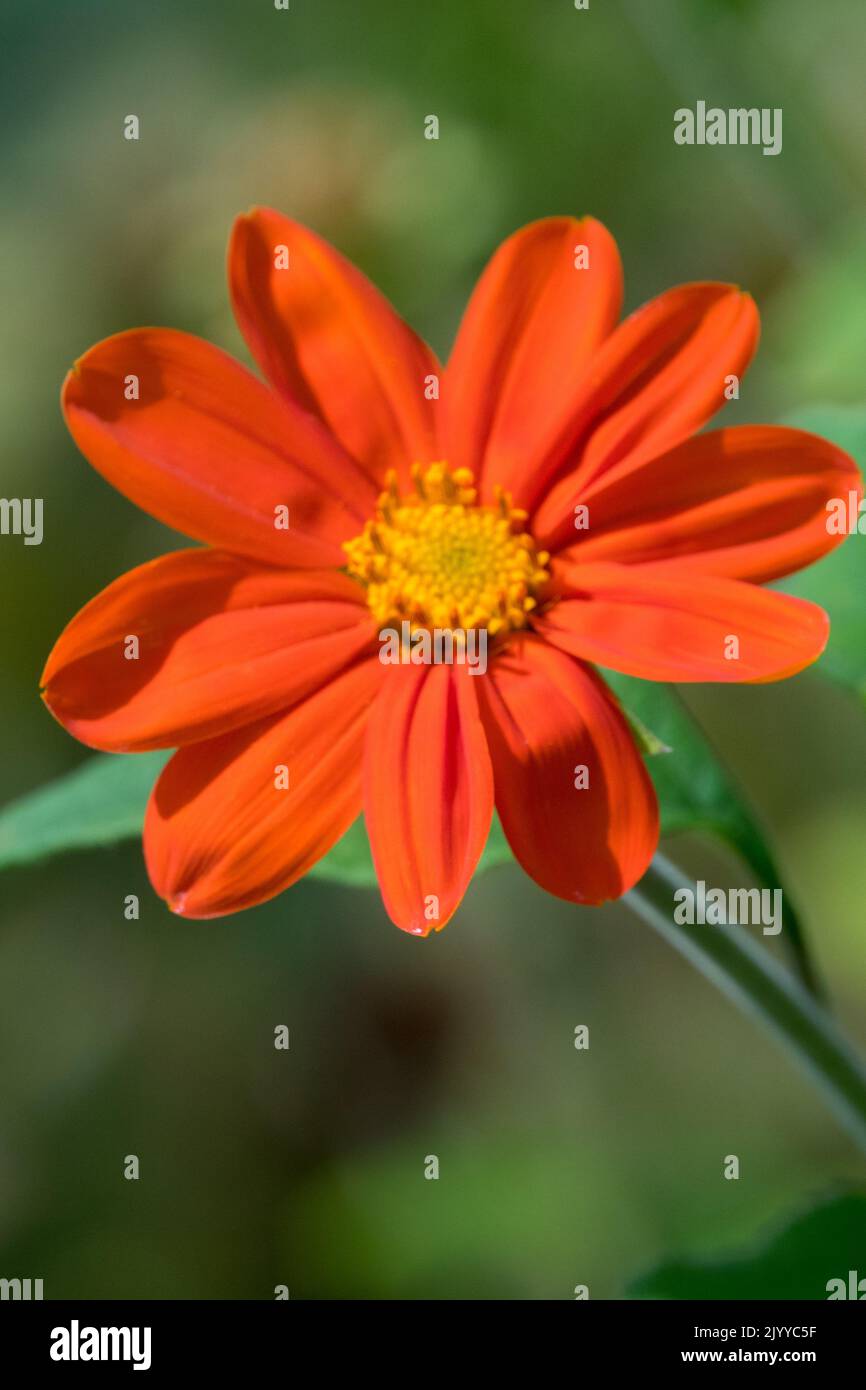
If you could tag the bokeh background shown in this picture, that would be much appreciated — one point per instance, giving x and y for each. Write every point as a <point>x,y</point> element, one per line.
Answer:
<point>155,1037</point>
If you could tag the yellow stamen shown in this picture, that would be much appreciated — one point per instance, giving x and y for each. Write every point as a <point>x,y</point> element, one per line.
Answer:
<point>437,559</point>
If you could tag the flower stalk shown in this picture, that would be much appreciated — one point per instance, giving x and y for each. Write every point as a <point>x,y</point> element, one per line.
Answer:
<point>762,987</point>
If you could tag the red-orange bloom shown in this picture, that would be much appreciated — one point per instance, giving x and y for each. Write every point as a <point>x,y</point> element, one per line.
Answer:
<point>547,489</point>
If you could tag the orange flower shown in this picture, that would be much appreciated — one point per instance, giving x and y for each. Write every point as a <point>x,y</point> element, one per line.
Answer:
<point>549,491</point>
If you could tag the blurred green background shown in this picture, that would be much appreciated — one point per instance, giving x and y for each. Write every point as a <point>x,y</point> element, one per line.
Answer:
<point>155,1037</point>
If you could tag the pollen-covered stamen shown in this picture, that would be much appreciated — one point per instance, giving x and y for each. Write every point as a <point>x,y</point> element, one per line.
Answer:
<point>437,559</point>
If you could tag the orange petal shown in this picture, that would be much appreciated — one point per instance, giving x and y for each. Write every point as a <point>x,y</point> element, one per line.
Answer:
<point>533,325</point>
<point>655,381</point>
<point>221,642</point>
<point>749,502</point>
<point>667,623</point>
<point>573,795</point>
<point>327,339</point>
<point>211,451</point>
<point>428,792</point>
<point>220,835</point>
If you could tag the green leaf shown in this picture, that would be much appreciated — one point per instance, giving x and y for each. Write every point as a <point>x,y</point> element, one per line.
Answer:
<point>838,583</point>
<point>103,802</point>
<point>99,803</point>
<point>695,792</point>
<point>646,739</point>
<point>350,862</point>
<point>693,788</point>
<point>798,1262</point>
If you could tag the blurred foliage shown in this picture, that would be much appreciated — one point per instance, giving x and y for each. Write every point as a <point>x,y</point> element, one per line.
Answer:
<point>800,1262</point>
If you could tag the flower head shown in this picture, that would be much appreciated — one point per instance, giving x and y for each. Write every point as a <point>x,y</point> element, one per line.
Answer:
<point>547,490</point>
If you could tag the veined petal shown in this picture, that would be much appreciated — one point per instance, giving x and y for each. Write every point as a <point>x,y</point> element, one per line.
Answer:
<point>658,378</point>
<point>428,792</point>
<point>211,451</point>
<point>573,795</point>
<point>327,339</point>
<point>749,503</point>
<point>667,623</point>
<point>534,323</point>
<point>220,642</point>
<point>221,833</point>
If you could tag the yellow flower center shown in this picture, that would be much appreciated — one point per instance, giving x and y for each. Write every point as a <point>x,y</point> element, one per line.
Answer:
<point>437,559</point>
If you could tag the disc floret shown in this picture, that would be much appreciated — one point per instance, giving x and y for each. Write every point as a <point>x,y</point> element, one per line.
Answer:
<point>438,559</point>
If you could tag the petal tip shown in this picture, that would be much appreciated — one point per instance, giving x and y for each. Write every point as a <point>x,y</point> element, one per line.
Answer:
<point>72,376</point>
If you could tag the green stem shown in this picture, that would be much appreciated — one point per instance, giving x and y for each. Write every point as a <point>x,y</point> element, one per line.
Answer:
<point>760,986</point>
<point>742,833</point>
